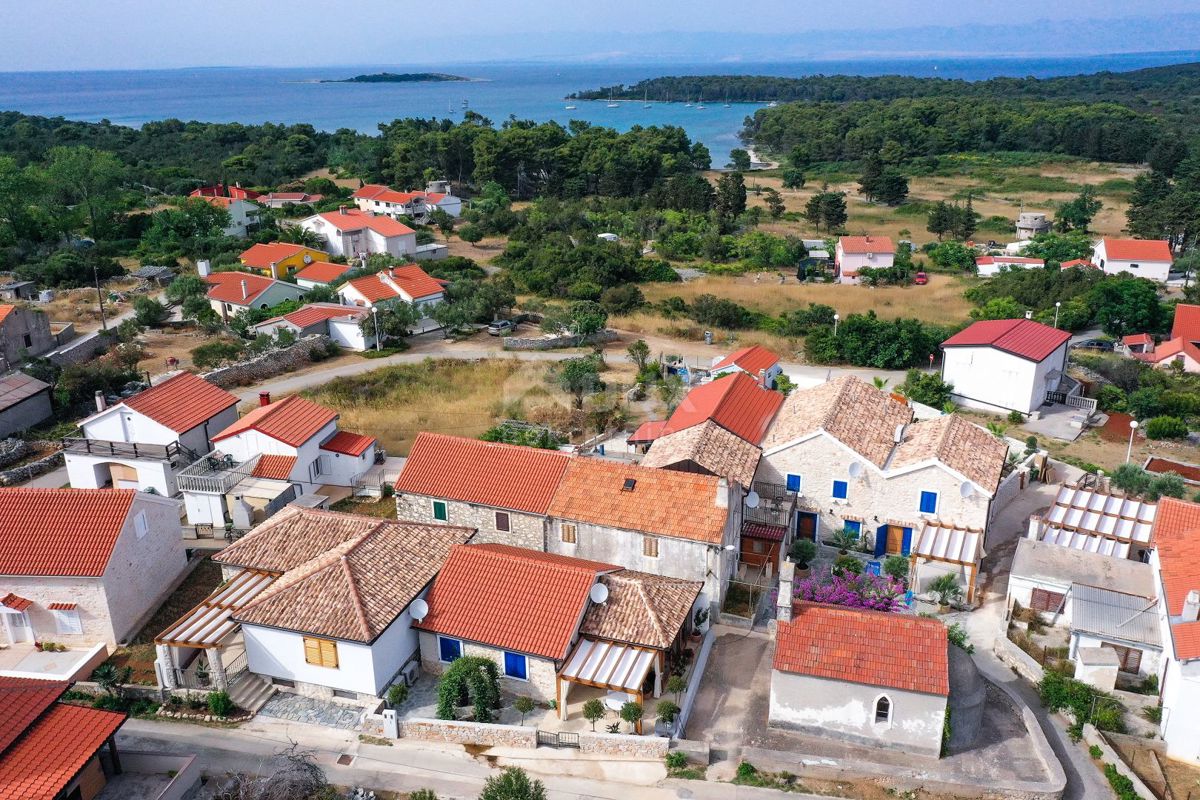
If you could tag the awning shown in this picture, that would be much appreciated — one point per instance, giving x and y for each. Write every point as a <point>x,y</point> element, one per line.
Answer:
<point>949,543</point>
<point>1089,542</point>
<point>608,665</point>
<point>14,603</point>
<point>211,621</point>
<point>62,606</point>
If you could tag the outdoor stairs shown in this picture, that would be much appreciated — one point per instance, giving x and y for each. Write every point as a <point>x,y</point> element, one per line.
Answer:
<point>251,692</point>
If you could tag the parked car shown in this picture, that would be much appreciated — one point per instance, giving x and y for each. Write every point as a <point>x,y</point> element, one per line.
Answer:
<point>501,327</point>
<point>920,279</point>
<point>1103,345</point>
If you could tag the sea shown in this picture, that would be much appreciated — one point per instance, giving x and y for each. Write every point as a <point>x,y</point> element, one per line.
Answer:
<point>500,91</point>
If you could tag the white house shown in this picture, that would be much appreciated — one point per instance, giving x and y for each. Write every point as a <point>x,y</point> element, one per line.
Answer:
<point>1143,258</point>
<point>438,195</point>
<point>143,441</point>
<point>407,284</point>
<point>1005,364</point>
<point>85,566</point>
<point>868,677</point>
<point>342,324</point>
<point>242,214</point>
<point>352,232</point>
<point>987,266</point>
<point>383,199</point>
<point>230,293</point>
<point>1043,573</point>
<point>757,362</point>
<point>270,457</point>
<point>856,252</point>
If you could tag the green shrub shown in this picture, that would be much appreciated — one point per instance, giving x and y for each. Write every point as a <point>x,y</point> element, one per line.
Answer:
<point>1166,428</point>
<point>1015,417</point>
<point>896,567</point>
<point>469,679</point>
<point>746,772</point>
<point>397,693</point>
<point>1153,714</point>
<point>847,565</point>
<point>958,637</point>
<point>1121,785</point>
<point>803,551</point>
<point>219,704</point>
<point>1110,398</point>
<point>213,354</point>
<point>676,760</point>
<point>1095,751</point>
<point>1086,703</point>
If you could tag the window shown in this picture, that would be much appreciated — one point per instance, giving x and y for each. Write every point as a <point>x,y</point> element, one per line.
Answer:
<point>853,525</point>
<point>567,530</point>
<point>502,521</point>
<point>515,666</point>
<point>28,340</point>
<point>1043,600</point>
<point>929,502</point>
<point>440,511</point>
<point>140,526</point>
<point>840,490</point>
<point>1130,658</point>
<point>449,649</point>
<point>67,621</point>
<point>794,483</point>
<point>320,466</point>
<point>650,546</point>
<point>345,695</point>
<point>883,710</point>
<point>320,652</point>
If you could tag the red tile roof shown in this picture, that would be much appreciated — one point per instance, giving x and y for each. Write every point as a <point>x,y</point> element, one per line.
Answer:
<point>322,272</point>
<point>311,314</point>
<point>647,432</point>
<point>62,606</point>
<point>275,467</point>
<point>875,648</point>
<point>15,602</point>
<point>866,244</point>
<point>54,750</point>
<point>351,444</point>
<point>737,403</point>
<point>1136,339</point>
<point>22,701</point>
<point>1186,636</point>
<point>264,254</point>
<point>485,473</point>
<point>292,420</point>
<point>226,287</point>
<point>353,219</point>
<point>1078,262</point>
<point>410,279</point>
<point>60,531</point>
<point>512,598</point>
<point>1187,323</point>
<point>1138,249</point>
<point>1177,539</point>
<point>1021,337</point>
<point>221,190</point>
<point>761,530</point>
<point>182,402</point>
<point>5,310</point>
<point>681,505</point>
<point>385,194</point>
<point>751,359</point>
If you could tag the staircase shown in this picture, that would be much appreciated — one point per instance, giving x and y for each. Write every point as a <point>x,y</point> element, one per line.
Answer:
<point>249,691</point>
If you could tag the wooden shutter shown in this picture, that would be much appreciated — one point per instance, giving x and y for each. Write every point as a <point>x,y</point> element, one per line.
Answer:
<point>1130,658</point>
<point>650,546</point>
<point>1043,600</point>
<point>568,532</point>
<point>312,651</point>
<point>320,652</point>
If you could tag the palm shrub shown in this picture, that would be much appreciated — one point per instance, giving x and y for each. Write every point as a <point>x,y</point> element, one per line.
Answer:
<point>803,552</point>
<point>946,589</point>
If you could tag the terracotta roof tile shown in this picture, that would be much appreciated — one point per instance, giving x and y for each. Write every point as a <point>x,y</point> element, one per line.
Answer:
<point>347,443</point>
<point>709,446</point>
<point>292,537</point>
<point>60,531</point>
<point>226,287</point>
<point>274,467</point>
<point>5,310</point>
<point>856,414</point>
<point>682,505</point>
<point>322,272</point>
<point>485,473</point>
<point>352,219</point>
<point>264,254</point>
<point>860,245</point>
<point>309,315</point>
<point>1186,323</point>
<point>15,602</point>
<point>751,359</point>
<point>1186,636</point>
<point>641,609</point>
<point>875,648</point>
<point>1138,249</point>
<point>737,403</point>
<point>509,597</point>
<point>763,530</point>
<point>22,701</point>
<point>53,751</point>
<point>963,446</point>
<point>355,590</point>
<point>292,420</point>
<point>182,402</point>
<point>408,282</point>
<point>647,432</point>
<point>1021,337</point>
<point>62,606</point>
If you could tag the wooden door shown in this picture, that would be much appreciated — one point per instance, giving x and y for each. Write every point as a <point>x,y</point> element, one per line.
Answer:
<point>895,540</point>
<point>806,526</point>
<point>1131,658</point>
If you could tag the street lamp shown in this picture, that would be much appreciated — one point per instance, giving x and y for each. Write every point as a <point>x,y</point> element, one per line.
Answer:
<point>375,314</point>
<point>1057,306</point>
<point>1133,426</point>
<point>836,317</point>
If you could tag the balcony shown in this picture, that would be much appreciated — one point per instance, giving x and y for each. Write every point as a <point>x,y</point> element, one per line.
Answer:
<point>174,453</point>
<point>215,473</point>
<point>775,505</point>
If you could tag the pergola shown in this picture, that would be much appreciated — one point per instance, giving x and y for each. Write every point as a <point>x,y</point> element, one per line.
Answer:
<point>613,666</point>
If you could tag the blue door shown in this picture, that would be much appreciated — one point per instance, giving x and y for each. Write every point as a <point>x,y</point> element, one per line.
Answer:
<point>806,525</point>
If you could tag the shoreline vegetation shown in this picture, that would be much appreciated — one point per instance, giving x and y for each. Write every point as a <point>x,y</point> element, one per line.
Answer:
<point>401,77</point>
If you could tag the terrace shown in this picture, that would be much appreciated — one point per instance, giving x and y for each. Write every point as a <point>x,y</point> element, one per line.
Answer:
<point>215,473</point>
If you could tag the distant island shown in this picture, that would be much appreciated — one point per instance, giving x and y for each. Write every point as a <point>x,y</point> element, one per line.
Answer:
<point>404,77</point>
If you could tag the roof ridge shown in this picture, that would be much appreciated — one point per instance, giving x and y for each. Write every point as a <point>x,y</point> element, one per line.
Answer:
<point>356,598</point>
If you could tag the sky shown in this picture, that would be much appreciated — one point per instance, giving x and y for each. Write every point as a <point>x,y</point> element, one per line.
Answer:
<point>148,34</point>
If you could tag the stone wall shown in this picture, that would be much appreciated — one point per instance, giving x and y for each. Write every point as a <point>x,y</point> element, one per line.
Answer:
<point>558,342</point>
<point>26,472</point>
<point>82,349</point>
<point>541,685</point>
<point>1017,659</point>
<point>1109,755</point>
<point>12,450</point>
<point>268,365</point>
<point>525,530</point>
<point>470,733</point>
<point>652,748</point>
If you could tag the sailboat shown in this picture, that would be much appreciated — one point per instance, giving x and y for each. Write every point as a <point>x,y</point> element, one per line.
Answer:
<point>570,107</point>
<point>646,99</point>
<point>699,104</point>
<point>772,104</point>
<point>687,104</point>
<point>727,99</point>
<point>611,102</point>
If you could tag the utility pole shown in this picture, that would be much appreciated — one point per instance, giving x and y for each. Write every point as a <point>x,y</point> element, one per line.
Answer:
<point>99,293</point>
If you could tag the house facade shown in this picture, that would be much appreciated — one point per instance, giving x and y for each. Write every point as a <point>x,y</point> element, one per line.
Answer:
<point>404,284</point>
<point>352,232</point>
<point>85,566</point>
<point>854,253</point>
<point>344,326</point>
<point>243,214</point>
<point>24,334</point>
<point>230,293</point>
<point>24,403</point>
<point>757,362</point>
<point>987,266</point>
<point>1142,258</point>
<point>1005,365</point>
<point>279,259</point>
<point>1181,350</point>
<point>143,441</point>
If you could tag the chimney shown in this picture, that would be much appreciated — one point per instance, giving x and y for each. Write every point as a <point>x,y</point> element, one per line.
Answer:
<point>722,493</point>
<point>264,398</point>
<point>783,605</point>
<point>203,268</point>
<point>1028,315</point>
<point>1191,607</point>
<point>342,210</point>
<point>101,403</point>
<point>391,272</point>
<point>867,239</point>
<point>245,291</point>
<point>762,378</point>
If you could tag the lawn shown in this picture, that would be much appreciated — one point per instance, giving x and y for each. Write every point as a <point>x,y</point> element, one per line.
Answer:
<point>451,396</point>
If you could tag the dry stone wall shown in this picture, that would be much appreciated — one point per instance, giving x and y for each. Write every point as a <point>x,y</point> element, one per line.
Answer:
<point>268,365</point>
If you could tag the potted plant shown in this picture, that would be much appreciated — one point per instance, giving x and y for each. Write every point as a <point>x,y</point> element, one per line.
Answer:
<point>844,539</point>
<point>803,552</point>
<point>700,621</point>
<point>665,713</point>
<point>947,590</point>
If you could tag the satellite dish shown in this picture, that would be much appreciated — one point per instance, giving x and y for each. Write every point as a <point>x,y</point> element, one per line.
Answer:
<point>752,499</point>
<point>856,469</point>
<point>966,489</point>
<point>419,609</point>
<point>598,593</point>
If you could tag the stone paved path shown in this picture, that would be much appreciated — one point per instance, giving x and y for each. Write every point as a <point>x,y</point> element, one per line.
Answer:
<point>296,708</point>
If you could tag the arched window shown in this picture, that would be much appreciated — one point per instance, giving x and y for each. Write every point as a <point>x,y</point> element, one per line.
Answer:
<point>883,710</point>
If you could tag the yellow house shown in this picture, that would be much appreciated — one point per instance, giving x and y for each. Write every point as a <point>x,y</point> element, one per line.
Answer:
<point>279,259</point>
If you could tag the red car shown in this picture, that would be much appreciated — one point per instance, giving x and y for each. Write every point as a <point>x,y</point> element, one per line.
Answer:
<point>920,279</point>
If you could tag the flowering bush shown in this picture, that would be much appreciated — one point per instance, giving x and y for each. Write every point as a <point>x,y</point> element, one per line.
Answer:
<point>877,592</point>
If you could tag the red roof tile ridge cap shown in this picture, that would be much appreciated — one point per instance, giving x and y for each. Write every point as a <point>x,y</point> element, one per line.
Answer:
<point>356,598</point>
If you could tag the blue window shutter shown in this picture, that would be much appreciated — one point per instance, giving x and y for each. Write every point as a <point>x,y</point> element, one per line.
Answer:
<point>881,540</point>
<point>928,502</point>
<point>793,483</point>
<point>449,649</point>
<point>906,544</point>
<point>840,490</point>
<point>853,525</point>
<point>515,666</point>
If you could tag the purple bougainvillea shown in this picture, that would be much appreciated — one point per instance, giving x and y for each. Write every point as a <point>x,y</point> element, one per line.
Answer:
<point>876,592</point>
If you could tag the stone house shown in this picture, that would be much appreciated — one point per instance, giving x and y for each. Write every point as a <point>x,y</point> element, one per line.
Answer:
<point>24,334</point>
<point>85,566</point>
<point>868,677</point>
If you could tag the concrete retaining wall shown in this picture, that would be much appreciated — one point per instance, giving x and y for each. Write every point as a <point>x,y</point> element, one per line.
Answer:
<point>473,733</point>
<point>1009,488</point>
<point>1110,756</point>
<point>268,365</point>
<point>693,689</point>
<point>558,342</point>
<point>652,748</point>
<point>186,769</point>
<point>1018,660</point>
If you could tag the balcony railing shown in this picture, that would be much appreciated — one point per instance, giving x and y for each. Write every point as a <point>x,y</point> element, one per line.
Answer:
<point>175,453</point>
<point>215,473</point>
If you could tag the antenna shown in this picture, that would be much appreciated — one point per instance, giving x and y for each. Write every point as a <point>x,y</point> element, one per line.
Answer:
<point>752,499</point>
<point>855,469</point>
<point>598,593</point>
<point>966,489</point>
<point>419,609</point>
